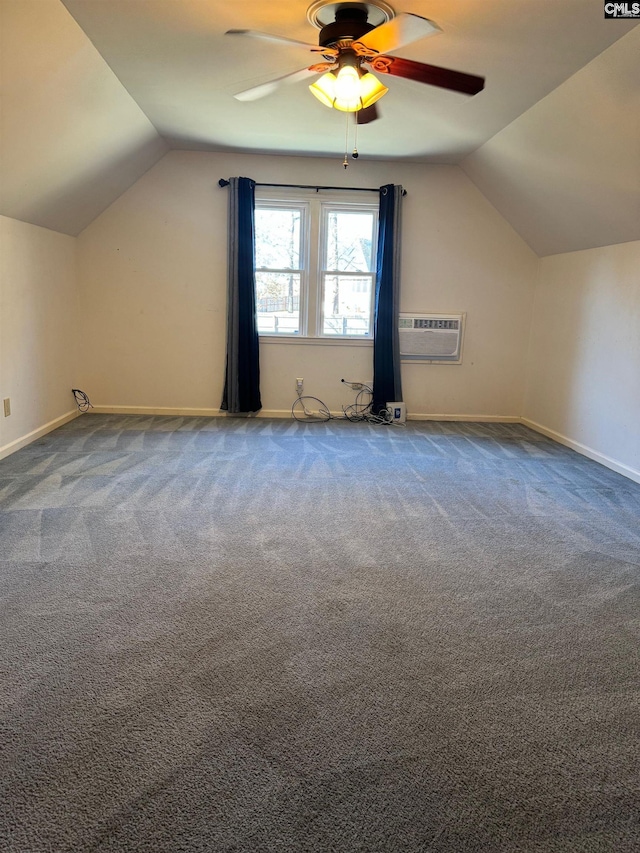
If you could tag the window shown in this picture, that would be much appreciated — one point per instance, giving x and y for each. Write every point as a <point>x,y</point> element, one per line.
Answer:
<point>280,267</point>
<point>315,266</point>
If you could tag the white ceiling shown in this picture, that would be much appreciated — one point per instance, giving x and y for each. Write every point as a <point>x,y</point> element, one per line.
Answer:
<point>96,91</point>
<point>173,57</point>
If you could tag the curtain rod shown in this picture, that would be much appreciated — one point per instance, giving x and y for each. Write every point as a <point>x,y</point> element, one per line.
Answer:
<point>224,183</point>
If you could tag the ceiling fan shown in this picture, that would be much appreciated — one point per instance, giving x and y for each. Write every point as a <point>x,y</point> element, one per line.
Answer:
<point>355,39</point>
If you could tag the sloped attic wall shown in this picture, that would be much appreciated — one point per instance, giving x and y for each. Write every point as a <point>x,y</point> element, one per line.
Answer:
<point>566,174</point>
<point>72,139</point>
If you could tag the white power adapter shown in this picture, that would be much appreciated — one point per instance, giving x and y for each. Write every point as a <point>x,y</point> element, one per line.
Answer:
<point>398,412</point>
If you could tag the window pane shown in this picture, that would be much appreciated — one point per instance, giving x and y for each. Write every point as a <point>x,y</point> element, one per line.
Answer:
<point>277,239</point>
<point>349,241</point>
<point>278,303</point>
<point>347,305</point>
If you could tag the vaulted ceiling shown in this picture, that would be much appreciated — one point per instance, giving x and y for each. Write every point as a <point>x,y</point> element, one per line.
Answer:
<point>96,91</point>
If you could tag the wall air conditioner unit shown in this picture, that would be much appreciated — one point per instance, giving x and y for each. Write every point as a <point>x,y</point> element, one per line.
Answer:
<point>431,338</point>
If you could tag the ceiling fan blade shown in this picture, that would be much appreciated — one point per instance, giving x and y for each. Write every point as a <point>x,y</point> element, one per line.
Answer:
<point>265,89</point>
<point>367,114</point>
<point>255,34</point>
<point>457,81</point>
<point>397,32</point>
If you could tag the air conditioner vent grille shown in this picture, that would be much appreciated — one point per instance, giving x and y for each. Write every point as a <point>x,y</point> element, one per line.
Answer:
<point>431,337</point>
<point>433,323</point>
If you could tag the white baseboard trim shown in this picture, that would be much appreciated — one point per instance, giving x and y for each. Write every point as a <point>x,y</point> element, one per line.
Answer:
<point>286,413</point>
<point>498,419</point>
<point>19,443</point>
<point>281,413</point>
<point>185,413</point>
<point>274,413</point>
<point>153,410</point>
<point>584,450</point>
<point>190,413</point>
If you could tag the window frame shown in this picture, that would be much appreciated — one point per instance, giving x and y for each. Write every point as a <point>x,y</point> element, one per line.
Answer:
<point>313,236</point>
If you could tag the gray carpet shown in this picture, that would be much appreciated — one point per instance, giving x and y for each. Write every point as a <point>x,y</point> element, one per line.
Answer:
<point>252,635</point>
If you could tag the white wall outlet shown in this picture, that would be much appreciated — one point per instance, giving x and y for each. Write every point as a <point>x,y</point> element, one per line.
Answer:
<point>7,406</point>
<point>299,384</point>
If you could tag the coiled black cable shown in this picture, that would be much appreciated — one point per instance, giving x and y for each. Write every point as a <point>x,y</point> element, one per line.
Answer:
<point>82,401</point>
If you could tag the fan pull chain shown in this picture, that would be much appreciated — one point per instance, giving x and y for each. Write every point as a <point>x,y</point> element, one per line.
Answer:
<point>355,154</point>
<point>346,142</point>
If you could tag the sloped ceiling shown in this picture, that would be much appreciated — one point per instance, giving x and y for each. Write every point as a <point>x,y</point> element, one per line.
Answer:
<point>72,138</point>
<point>566,174</point>
<point>97,90</point>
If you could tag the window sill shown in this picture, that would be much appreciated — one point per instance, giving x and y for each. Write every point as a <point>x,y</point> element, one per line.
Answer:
<point>323,342</point>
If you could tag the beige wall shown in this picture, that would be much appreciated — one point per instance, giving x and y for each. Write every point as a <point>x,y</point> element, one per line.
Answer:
<point>583,383</point>
<point>39,330</point>
<point>152,269</point>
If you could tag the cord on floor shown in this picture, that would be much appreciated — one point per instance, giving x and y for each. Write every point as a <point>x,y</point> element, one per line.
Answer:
<point>359,410</point>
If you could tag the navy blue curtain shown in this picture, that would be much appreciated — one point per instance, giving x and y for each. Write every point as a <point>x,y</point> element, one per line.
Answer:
<point>387,384</point>
<point>242,380</point>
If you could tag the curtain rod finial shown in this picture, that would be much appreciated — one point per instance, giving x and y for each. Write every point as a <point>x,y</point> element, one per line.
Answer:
<point>223,182</point>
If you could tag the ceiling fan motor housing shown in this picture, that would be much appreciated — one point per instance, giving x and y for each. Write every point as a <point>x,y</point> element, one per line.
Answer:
<point>350,24</point>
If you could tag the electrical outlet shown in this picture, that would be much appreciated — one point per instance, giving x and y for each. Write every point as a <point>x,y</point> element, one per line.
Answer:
<point>7,406</point>
<point>357,386</point>
<point>299,384</point>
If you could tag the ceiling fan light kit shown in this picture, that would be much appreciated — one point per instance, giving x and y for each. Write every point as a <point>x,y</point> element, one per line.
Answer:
<point>350,89</point>
<point>371,90</point>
